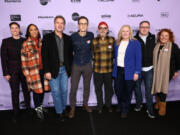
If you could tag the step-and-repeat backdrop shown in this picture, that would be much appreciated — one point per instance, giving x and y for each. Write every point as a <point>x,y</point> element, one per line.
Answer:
<point>160,13</point>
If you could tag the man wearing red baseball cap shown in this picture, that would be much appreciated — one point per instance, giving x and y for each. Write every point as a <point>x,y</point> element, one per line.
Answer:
<point>102,47</point>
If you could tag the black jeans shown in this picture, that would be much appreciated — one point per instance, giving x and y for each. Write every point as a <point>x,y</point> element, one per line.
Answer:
<point>123,89</point>
<point>99,80</point>
<point>38,98</point>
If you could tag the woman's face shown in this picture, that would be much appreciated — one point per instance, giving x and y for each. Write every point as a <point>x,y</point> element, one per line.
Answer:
<point>164,37</point>
<point>33,31</point>
<point>125,33</point>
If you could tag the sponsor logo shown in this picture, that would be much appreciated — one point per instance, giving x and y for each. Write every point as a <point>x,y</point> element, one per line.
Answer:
<point>75,1</point>
<point>164,14</point>
<point>45,17</point>
<point>12,1</point>
<point>44,32</point>
<point>75,16</point>
<point>105,16</point>
<point>135,15</point>
<point>15,17</point>
<point>106,0</point>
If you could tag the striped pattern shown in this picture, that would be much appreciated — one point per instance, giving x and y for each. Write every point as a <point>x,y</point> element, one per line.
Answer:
<point>31,66</point>
<point>103,54</point>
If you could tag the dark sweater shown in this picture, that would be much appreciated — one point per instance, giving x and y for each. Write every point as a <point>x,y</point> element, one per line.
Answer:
<point>147,49</point>
<point>82,48</point>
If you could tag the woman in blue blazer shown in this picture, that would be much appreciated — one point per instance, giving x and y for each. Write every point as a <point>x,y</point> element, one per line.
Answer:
<point>127,67</point>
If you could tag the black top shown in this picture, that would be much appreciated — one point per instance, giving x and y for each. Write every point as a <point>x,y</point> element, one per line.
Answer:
<point>147,49</point>
<point>11,55</point>
<point>50,57</point>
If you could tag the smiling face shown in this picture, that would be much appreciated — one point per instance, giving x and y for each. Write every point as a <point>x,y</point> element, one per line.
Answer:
<point>59,25</point>
<point>144,29</point>
<point>15,30</point>
<point>125,33</point>
<point>103,29</point>
<point>83,25</point>
<point>33,31</point>
<point>164,37</point>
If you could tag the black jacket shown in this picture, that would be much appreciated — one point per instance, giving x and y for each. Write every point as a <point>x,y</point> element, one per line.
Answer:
<point>50,54</point>
<point>147,49</point>
<point>174,60</point>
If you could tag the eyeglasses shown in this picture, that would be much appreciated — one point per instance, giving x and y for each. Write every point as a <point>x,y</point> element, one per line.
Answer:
<point>83,23</point>
<point>103,28</point>
<point>144,27</point>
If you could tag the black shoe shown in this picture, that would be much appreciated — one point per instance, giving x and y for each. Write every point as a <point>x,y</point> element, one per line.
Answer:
<point>99,110</point>
<point>65,113</point>
<point>118,109</point>
<point>44,109</point>
<point>39,113</point>
<point>123,115</point>
<point>61,118</point>
<point>138,108</point>
<point>151,114</point>
<point>15,117</point>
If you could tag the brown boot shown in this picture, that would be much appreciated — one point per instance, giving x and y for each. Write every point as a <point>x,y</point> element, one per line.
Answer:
<point>162,108</point>
<point>72,112</point>
<point>156,106</point>
<point>85,107</point>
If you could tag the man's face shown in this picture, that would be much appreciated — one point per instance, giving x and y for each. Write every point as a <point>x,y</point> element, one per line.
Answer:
<point>83,25</point>
<point>59,25</point>
<point>15,30</point>
<point>103,29</point>
<point>144,29</point>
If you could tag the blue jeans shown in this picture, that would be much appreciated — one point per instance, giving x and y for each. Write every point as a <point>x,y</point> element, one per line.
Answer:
<point>59,88</point>
<point>147,77</point>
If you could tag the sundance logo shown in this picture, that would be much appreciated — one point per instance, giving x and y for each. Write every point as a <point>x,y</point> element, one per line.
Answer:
<point>135,15</point>
<point>105,16</point>
<point>12,1</point>
<point>75,16</point>
<point>15,17</point>
<point>164,14</point>
<point>44,2</point>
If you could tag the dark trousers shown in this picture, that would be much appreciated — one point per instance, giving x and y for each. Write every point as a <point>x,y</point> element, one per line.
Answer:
<point>77,71</point>
<point>147,77</point>
<point>162,96</point>
<point>38,98</point>
<point>99,80</point>
<point>16,79</point>
<point>123,90</point>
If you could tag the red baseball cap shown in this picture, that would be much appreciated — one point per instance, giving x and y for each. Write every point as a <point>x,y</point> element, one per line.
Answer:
<point>102,23</point>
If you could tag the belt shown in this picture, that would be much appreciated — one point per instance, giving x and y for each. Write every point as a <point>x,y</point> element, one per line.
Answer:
<point>61,64</point>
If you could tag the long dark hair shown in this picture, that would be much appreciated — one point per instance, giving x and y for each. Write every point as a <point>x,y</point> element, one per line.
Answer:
<point>28,33</point>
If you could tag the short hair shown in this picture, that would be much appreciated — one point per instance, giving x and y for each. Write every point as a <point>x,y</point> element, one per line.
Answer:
<point>14,23</point>
<point>28,33</point>
<point>144,22</point>
<point>83,17</point>
<point>171,35</point>
<point>61,17</point>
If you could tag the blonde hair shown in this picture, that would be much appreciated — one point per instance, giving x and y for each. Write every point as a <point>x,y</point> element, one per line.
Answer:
<point>131,37</point>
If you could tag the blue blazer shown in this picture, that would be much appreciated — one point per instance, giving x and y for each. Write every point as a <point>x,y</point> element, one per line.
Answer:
<point>132,59</point>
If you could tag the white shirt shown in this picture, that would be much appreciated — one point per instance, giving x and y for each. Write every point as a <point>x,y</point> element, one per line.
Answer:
<point>121,53</point>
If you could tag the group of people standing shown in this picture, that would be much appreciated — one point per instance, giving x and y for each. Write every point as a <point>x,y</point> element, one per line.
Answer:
<point>46,64</point>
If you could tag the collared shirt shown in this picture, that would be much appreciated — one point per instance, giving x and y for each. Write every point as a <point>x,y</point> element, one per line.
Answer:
<point>143,38</point>
<point>60,45</point>
<point>82,48</point>
<point>103,54</point>
<point>121,53</point>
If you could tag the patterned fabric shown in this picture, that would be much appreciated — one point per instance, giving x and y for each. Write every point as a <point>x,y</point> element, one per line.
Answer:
<point>31,66</point>
<point>103,54</point>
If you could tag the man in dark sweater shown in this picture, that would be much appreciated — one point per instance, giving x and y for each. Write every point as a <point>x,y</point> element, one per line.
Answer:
<point>147,44</point>
<point>82,64</point>
<point>11,66</point>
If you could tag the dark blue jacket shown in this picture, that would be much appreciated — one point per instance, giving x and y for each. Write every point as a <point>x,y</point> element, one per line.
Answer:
<point>132,62</point>
<point>82,48</point>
